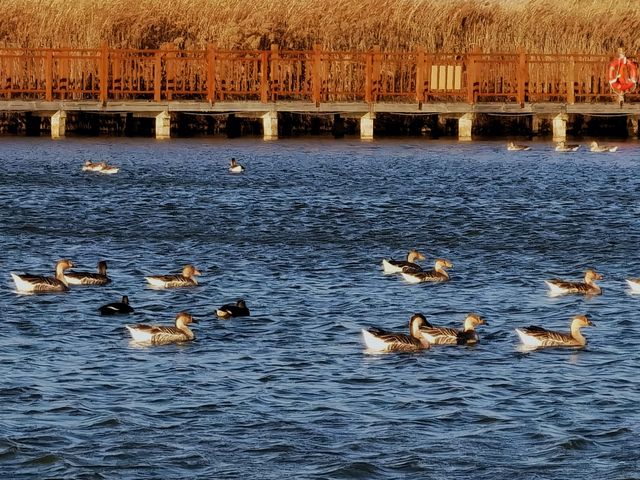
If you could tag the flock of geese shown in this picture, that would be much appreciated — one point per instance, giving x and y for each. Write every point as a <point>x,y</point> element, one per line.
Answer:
<point>566,147</point>
<point>142,333</point>
<point>152,334</point>
<point>422,334</point>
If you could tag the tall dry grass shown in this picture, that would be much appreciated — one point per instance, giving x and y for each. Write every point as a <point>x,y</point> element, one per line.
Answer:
<point>544,26</point>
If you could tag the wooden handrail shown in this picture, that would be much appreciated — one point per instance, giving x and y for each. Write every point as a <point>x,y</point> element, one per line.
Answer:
<point>316,76</point>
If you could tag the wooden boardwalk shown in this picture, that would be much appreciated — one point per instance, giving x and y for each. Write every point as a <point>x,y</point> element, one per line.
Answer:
<point>315,81</point>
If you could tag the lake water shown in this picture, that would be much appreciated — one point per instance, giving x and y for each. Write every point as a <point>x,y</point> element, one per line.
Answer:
<point>289,392</point>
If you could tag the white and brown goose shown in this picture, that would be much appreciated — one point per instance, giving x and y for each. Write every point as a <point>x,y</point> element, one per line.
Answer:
<point>379,340</point>
<point>538,337</point>
<point>28,283</point>
<point>185,279</point>
<point>634,285</point>
<point>567,147</point>
<point>396,266</point>
<point>162,335</point>
<point>438,274</point>
<point>90,166</point>
<point>588,287</point>
<point>597,148</point>
<point>235,167</point>
<point>454,336</point>
<point>514,147</point>
<point>89,278</point>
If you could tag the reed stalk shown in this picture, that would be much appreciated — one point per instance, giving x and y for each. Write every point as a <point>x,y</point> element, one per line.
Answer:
<point>537,26</point>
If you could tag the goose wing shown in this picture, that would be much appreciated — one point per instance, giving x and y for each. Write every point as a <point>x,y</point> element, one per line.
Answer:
<point>548,338</point>
<point>567,287</point>
<point>396,341</point>
<point>39,283</point>
<point>440,335</point>
<point>170,280</point>
<point>87,278</point>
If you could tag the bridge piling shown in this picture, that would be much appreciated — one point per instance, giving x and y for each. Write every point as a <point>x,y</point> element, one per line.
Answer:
<point>58,124</point>
<point>366,126</point>
<point>163,125</point>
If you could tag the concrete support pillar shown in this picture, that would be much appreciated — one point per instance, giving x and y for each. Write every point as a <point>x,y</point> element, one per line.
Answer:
<point>163,125</point>
<point>270,126</point>
<point>632,126</point>
<point>560,127</point>
<point>366,126</point>
<point>58,124</point>
<point>536,122</point>
<point>465,127</point>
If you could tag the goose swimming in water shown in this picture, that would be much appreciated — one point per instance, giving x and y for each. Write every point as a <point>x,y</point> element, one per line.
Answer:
<point>90,166</point>
<point>239,309</point>
<point>107,169</point>
<point>513,147</point>
<point>162,335</point>
<point>117,308</point>
<point>588,287</point>
<point>602,148</point>
<point>453,336</point>
<point>438,274</point>
<point>89,278</point>
<point>634,285</point>
<point>396,266</point>
<point>40,284</point>
<point>235,167</point>
<point>186,279</point>
<point>564,147</point>
<point>379,340</point>
<point>538,337</point>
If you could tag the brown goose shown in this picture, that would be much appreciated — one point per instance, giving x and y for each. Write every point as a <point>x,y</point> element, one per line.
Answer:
<point>453,336</point>
<point>588,287</point>
<point>379,340</point>
<point>396,266</point>
<point>40,284</point>
<point>162,335</point>
<point>186,279</point>
<point>438,274</point>
<point>89,278</point>
<point>538,337</point>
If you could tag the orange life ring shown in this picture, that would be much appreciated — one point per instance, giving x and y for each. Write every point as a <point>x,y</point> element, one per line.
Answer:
<point>623,75</point>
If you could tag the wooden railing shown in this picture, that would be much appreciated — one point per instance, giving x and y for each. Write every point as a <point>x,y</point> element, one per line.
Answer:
<point>316,76</point>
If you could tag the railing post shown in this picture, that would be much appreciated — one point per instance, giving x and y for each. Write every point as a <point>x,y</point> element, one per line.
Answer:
<point>274,77</point>
<point>522,73</point>
<point>211,73</point>
<point>103,72</point>
<point>157,78</point>
<point>264,78</point>
<point>316,79</point>
<point>375,73</point>
<point>420,75</point>
<point>571,82</point>
<point>48,76</point>
<point>471,76</point>
<point>368,78</point>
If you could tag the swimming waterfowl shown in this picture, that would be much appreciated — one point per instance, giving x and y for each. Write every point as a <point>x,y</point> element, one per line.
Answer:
<point>107,169</point>
<point>90,166</point>
<point>564,147</point>
<point>162,335</point>
<point>602,148</point>
<point>634,285</point>
<point>538,337</point>
<point>438,274</point>
<point>511,146</point>
<point>396,266</point>
<point>588,287</point>
<point>454,336</point>
<point>117,308</point>
<point>40,284</point>
<point>235,167</point>
<point>186,279</point>
<point>379,340</point>
<point>239,309</point>
<point>89,278</point>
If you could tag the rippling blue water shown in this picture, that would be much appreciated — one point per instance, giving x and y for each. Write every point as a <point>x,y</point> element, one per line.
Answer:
<point>289,392</point>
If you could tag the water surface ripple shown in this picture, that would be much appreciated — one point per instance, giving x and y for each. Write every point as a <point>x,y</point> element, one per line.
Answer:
<point>289,392</point>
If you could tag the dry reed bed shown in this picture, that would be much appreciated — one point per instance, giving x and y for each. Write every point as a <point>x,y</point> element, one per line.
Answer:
<point>585,26</point>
